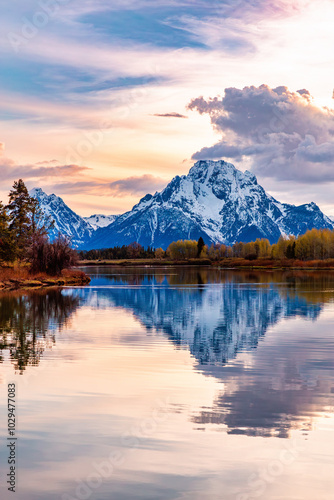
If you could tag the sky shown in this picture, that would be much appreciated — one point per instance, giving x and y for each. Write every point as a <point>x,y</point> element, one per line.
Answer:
<point>104,101</point>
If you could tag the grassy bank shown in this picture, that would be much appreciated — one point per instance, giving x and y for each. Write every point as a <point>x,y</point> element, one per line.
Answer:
<point>14,278</point>
<point>227,263</point>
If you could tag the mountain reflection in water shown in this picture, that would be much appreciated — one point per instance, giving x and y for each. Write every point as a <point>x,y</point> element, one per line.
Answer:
<point>218,315</point>
<point>221,317</point>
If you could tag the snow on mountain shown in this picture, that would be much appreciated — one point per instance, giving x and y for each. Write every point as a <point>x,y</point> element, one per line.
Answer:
<point>215,322</point>
<point>66,221</point>
<point>99,220</point>
<point>215,201</point>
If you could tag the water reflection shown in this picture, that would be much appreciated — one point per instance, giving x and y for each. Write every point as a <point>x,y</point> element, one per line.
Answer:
<point>319,282</point>
<point>215,322</point>
<point>222,316</point>
<point>29,322</point>
<point>274,377</point>
<point>232,358</point>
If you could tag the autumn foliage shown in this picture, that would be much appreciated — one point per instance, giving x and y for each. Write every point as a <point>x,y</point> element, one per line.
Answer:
<point>314,245</point>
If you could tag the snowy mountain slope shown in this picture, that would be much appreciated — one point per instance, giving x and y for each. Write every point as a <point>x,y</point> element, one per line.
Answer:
<point>66,221</point>
<point>215,322</point>
<point>99,220</point>
<point>224,328</point>
<point>215,201</point>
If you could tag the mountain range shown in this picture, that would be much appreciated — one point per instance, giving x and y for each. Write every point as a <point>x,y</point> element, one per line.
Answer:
<point>225,328</point>
<point>215,200</point>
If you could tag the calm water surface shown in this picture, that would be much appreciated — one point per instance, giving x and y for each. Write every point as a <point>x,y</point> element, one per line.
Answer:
<point>172,384</point>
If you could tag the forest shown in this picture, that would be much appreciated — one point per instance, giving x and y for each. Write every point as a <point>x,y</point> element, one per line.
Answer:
<point>315,244</point>
<point>132,251</point>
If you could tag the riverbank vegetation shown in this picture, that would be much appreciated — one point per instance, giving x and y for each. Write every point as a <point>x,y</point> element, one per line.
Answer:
<point>27,256</point>
<point>314,249</point>
<point>20,277</point>
<point>133,251</point>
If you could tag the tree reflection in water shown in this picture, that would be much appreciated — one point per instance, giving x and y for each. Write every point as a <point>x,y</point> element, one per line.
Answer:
<point>29,321</point>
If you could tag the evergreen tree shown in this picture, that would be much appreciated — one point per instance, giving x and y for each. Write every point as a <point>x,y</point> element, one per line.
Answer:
<point>27,222</point>
<point>291,250</point>
<point>200,246</point>
<point>6,241</point>
<point>19,209</point>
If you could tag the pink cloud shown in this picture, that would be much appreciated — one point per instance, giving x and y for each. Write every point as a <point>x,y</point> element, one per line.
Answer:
<point>136,186</point>
<point>38,171</point>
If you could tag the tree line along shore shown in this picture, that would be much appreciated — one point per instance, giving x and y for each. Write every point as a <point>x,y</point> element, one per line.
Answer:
<point>312,250</point>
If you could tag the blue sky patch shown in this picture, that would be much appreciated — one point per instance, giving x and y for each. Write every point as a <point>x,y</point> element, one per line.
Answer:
<point>142,26</point>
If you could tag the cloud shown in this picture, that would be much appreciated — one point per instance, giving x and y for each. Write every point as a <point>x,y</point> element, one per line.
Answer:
<point>305,93</point>
<point>39,171</point>
<point>317,153</point>
<point>75,179</point>
<point>231,36</point>
<point>137,185</point>
<point>48,162</point>
<point>282,133</point>
<point>264,8</point>
<point>86,65</point>
<point>222,149</point>
<point>85,187</point>
<point>92,71</point>
<point>170,115</point>
<point>233,26</point>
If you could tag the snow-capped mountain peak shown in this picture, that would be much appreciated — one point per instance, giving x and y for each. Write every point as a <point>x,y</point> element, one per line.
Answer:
<point>66,221</point>
<point>216,201</point>
<point>100,220</point>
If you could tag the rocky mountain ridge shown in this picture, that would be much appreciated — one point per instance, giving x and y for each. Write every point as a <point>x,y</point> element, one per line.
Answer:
<point>215,201</point>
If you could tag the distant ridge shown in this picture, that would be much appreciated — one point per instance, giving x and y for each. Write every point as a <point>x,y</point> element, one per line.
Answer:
<point>215,200</point>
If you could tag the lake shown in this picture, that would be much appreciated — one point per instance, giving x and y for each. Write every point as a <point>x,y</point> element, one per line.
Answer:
<point>171,384</point>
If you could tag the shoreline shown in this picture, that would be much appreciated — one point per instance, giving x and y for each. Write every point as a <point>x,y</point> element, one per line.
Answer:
<point>226,264</point>
<point>144,262</point>
<point>15,283</point>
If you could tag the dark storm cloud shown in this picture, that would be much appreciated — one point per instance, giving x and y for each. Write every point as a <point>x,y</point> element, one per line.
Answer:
<point>284,133</point>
